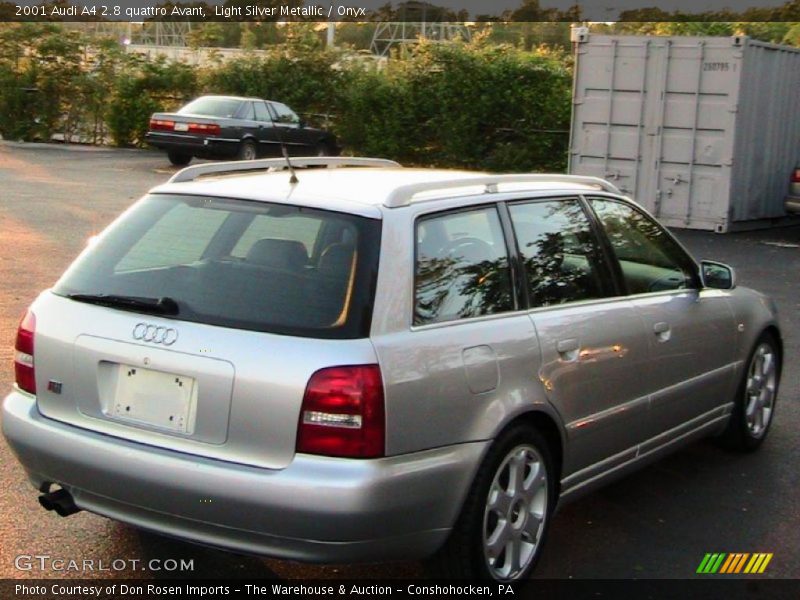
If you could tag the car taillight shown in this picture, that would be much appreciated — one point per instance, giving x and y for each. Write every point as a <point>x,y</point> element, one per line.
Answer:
<point>162,124</point>
<point>24,372</point>
<point>796,175</point>
<point>343,413</point>
<point>204,128</point>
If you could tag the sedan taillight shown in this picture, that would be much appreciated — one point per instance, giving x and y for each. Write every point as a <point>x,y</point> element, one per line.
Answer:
<point>796,175</point>
<point>24,373</point>
<point>161,125</point>
<point>204,128</point>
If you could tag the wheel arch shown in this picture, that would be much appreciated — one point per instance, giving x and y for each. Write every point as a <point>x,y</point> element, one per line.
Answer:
<point>772,329</point>
<point>550,428</point>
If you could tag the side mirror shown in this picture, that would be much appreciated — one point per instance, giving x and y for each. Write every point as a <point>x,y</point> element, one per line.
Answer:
<point>716,275</point>
<point>301,123</point>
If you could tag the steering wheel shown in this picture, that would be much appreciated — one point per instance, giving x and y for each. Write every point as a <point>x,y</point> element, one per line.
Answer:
<point>458,246</point>
<point>672,281</point>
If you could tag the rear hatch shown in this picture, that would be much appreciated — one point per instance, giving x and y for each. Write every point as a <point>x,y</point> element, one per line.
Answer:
<point>195,324</point>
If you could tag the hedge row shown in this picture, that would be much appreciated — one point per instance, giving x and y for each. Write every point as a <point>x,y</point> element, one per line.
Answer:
<point>492,107</point>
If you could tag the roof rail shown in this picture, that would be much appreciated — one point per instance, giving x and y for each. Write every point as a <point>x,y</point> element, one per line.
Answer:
<point>403,196</point>
<point>277,164</point>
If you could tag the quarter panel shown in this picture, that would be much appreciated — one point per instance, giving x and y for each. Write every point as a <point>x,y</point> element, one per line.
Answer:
<point>432,398</point>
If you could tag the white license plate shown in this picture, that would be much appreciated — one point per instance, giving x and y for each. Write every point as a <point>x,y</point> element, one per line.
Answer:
<point>181,127</point>
<point>164,400</point>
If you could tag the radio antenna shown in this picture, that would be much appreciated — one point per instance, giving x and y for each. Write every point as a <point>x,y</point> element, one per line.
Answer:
<point>293,179</point>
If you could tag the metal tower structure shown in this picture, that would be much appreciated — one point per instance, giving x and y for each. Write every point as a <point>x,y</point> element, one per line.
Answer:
<point>149,33</point>
<point>163,33</point>
<point>389,35</point>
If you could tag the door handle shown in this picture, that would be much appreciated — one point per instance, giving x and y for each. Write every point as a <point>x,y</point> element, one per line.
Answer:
<point>662,330</point>
<point>568,349</point>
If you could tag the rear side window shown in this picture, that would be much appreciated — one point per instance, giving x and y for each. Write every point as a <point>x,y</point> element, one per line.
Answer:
<point>233,263</point>
<point>461,267</point>
<point>559,251</point>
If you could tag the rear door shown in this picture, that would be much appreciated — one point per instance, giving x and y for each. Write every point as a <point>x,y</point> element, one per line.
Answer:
<point>245,124</point>
<point>691,331</point>
<point>269,139</point>
<point>592,340</point>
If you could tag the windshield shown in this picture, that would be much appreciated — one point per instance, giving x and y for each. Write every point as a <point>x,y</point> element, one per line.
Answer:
<point>212,107</point>
<point>235,263</point>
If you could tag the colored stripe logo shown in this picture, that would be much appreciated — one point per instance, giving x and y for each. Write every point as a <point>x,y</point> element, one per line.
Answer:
<point>736,562</point>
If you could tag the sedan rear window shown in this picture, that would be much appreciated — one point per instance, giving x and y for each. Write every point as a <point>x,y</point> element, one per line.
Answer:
<point>234,263</point>
<point>212,107</point>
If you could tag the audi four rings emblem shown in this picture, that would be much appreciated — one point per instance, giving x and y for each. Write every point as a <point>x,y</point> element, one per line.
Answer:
<point>155,334</point>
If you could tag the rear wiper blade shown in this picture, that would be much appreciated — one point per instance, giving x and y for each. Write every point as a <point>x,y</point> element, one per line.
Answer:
<point>163,306</point>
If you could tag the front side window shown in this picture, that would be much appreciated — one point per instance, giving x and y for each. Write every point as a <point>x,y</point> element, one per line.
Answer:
<point>262,114</point>
<point>284,114</point>
<point>247,265</point>
<point>650,260</point>
<point>559,250</point>
<point>462,268</point>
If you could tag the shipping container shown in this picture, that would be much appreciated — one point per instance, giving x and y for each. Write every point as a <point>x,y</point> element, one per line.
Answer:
<point>702,131</point>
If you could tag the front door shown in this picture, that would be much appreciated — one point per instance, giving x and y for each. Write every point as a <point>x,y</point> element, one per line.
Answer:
<point>691,331</point>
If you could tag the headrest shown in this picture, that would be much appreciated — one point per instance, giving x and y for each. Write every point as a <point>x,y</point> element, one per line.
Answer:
<point>290,255</point>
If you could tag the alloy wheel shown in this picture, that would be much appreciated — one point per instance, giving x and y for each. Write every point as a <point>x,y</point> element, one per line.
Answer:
<point>515,513</point>
<point>760,390</point>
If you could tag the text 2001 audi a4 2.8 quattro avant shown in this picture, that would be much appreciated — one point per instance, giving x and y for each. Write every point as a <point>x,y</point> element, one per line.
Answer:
<point>377,362</point>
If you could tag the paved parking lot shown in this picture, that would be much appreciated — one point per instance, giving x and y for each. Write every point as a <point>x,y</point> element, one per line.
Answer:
<point>657,523</point>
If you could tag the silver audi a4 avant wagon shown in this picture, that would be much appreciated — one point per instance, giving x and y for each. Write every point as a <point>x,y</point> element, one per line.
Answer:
<point>377,362</point>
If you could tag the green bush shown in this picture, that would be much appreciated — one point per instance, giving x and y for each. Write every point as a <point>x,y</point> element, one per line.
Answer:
<point>476,105</point>
<point>306,79</point>
<point>142,88</point>
<point>495,108</point>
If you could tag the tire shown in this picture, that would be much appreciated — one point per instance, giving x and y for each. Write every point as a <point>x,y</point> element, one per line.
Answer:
<point>754,406</point>
<point>499,521</point>
<point>179,159</point>
<point>248,150</point>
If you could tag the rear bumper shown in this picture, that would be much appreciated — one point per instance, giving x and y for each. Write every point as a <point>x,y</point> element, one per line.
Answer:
<point>317,509</point>
<point>200,146</point>
<point>792,204</point>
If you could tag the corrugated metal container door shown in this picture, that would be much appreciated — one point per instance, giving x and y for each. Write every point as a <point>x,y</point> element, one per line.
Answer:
<point>663,119</point>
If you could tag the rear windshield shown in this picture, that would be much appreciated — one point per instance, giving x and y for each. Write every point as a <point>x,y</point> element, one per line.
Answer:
<point>234,263</point>
<point>212,107</point>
